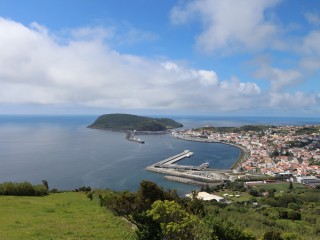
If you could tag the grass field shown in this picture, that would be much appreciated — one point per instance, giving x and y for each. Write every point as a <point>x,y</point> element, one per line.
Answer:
<point>282,186</point>
<point>69,215</point>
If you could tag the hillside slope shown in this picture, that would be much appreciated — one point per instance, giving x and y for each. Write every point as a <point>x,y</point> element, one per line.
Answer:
<point>68,215</point>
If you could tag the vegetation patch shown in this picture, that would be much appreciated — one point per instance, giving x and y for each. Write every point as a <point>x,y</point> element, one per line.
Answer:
<point>125,122</point>
<point>23,189</point>
<point>68,215</point>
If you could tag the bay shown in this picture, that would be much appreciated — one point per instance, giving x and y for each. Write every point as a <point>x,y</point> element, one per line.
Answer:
<point>63,151</point>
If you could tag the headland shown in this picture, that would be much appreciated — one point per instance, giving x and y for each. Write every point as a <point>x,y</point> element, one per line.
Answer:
<point>129,122</point>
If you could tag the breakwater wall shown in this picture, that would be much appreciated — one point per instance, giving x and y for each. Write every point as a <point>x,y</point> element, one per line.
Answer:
<point>189,181</point>
<point>218,178</point>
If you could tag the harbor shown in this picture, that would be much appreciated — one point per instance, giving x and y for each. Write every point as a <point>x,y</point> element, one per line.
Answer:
<point>198,175</point>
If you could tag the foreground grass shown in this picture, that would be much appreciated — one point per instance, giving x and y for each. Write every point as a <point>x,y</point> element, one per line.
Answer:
<point>69,215</point>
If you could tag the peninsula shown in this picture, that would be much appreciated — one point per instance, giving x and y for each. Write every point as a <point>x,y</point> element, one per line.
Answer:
<point>128,122</point>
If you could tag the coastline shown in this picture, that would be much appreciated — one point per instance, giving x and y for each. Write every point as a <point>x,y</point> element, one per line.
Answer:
<point>243,155</point>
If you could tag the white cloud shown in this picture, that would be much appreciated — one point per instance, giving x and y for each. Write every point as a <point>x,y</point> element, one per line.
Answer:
<point>36,68</point>
<point>231,25</point>
<point>310,63</point>
<point>313,17</point>
<point>90,33</point>
<point>311,44</point>
<point>278,78</point>
<point>293,101</point>
<point>310,51</point>
<point>208,78</point>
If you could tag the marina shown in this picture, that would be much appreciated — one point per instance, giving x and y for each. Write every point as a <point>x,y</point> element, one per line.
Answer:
<point>170,162</point>
<point>197,175</point>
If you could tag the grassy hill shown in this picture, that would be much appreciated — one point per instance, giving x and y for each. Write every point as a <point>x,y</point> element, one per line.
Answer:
<point>132,122</point>
<point>69,215</point>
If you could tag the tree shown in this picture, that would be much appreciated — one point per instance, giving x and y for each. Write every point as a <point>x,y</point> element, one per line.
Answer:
<point>175,222</point>
<point>196,206</point>
<point>271,192</point>
<point>290,236</point>
<point>294,206</point>
<point>284,200</point>
<point>147,228</point>
<point>283,214</point>
<point>148,193</point>
<point>253,192</point>
<point>271,235</point>
<point>226,230</point>
<point>290,185</point>
<point>45,183</point>
<point>122,204</point>
<point>293,215</point>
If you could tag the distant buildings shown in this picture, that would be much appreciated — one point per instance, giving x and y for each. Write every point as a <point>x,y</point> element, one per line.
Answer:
<point>282,151</point>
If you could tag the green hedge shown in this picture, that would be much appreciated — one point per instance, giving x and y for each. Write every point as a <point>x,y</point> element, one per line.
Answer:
<point>22,189</point>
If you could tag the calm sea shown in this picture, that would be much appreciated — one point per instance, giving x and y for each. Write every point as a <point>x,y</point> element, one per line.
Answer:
<point>63,151</point>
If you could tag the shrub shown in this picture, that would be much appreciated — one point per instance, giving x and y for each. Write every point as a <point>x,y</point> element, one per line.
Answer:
<point>271,235</point>
<point>22,189</point>
<point>294,206</point>
<point>40,190</point>
<point>293,215</point>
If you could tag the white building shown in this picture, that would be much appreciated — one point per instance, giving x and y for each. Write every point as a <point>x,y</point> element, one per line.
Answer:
<point>208,197</point>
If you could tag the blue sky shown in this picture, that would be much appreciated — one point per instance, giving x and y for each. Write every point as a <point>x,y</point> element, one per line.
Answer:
<point>196,57</point>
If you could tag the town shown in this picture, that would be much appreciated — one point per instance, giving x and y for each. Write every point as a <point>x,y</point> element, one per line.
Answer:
<point>287,152</point>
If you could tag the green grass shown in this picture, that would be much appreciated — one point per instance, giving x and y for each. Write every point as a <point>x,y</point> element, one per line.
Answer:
<point>69,215</point>
<point>282,187</point>
<point>244,196</point>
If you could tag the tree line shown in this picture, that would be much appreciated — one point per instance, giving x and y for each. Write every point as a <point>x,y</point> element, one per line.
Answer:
<point>162,214</point>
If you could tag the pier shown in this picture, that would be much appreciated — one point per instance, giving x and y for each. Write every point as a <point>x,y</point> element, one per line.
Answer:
<point>198,175</point>
<point>176,158</point>
<point>169,163</point>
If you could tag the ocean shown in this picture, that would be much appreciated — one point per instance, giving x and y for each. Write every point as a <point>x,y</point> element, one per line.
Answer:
<point>63,151</point>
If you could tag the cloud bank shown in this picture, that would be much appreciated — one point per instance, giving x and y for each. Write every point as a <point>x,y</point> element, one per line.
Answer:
<point>39,67</point>
<point>231,25</point>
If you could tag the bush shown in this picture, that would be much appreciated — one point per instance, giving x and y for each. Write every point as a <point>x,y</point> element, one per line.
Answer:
<point>83,189</point>
<point>40,190</point>
<point>271,235</point>
<point>290,236</point>
<point>22,189</point>
<point>293,215</point>
<point>294,206</point>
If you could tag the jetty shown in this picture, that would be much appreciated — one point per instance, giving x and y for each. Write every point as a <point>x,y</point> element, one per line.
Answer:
<point>169,163</point>
<point>197,175</point>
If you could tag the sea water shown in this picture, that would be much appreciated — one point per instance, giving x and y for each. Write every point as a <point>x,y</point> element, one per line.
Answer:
<point>63,151</point>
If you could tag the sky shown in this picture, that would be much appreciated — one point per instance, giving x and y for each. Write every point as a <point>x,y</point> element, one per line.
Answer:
<point>183,57</point>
